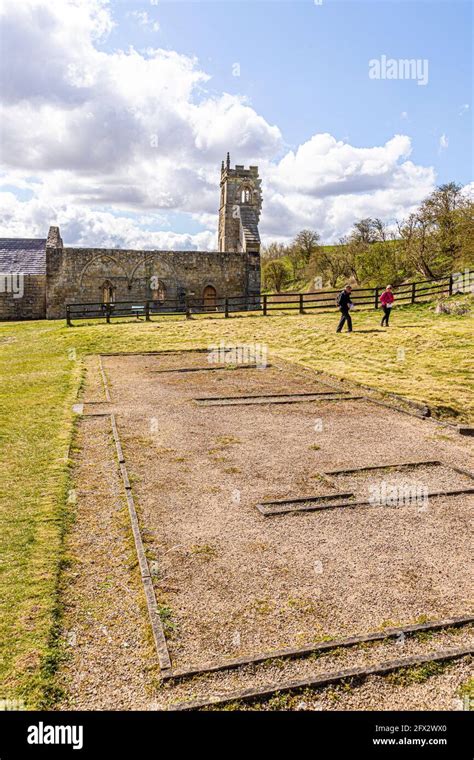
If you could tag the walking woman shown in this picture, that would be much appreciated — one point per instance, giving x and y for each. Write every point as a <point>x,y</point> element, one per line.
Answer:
<point>386,299</point>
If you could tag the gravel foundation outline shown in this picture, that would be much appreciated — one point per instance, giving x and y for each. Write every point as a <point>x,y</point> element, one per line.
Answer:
<point>314,503</point>
<point>224,368</point>
<point>246,396</point>
<point>160,640</point>
<point>326,679</point>
<point>277,399</point>
<point>324,646</point>
<point>272,512</point>
<point>153,612</point>
<point>423,411</point>
<point>398,465</point>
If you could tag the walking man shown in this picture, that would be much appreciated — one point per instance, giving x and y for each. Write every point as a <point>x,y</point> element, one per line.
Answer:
<point>386,299</point>
<point>345,304</point>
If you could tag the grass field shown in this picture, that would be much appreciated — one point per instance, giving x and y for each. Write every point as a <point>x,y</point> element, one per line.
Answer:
<point>423,356</point>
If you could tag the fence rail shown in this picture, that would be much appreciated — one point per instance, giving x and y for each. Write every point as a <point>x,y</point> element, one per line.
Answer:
<point>407,293</point>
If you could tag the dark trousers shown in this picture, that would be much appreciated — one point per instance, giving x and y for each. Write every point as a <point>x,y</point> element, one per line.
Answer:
<point>386,315</point>
<point>346,317</point>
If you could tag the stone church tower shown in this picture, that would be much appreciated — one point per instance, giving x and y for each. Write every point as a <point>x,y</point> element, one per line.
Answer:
<point>240,207</point>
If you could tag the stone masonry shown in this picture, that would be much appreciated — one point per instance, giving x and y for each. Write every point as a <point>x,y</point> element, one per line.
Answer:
<point>64,275</point>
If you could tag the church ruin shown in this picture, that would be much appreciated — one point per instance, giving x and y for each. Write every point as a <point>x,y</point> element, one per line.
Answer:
<point>53,275</point>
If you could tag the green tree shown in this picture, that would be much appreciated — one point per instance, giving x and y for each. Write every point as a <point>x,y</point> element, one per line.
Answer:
<point>437,237</point>
<point>381,264</point>
<point>296,259</point>
<point>276,274</point>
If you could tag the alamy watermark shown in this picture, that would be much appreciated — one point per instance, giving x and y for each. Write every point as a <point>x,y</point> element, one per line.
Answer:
<point>416,69</point>
<point>13,283</point>
<point>463,282</point>
<point>14,705</point>
<point>251,353</point>
<point>387,494</point>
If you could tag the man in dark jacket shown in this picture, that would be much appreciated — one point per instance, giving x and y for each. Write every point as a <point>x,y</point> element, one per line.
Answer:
<point>344,302</point>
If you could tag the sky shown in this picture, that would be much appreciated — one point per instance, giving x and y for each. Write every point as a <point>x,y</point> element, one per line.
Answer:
<point>115,116</point>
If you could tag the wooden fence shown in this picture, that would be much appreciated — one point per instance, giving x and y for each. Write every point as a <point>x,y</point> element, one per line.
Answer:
<point>365,298</point>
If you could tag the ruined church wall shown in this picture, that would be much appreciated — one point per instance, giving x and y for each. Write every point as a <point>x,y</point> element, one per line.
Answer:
<point>77,275</point>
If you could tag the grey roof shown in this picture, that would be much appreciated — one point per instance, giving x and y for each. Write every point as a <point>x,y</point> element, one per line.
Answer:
<point>22,255</point>
<point>249,219</point>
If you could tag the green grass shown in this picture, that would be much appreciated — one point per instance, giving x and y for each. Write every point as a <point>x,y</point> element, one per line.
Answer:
<point>417,674</point>
<point>41,365</point>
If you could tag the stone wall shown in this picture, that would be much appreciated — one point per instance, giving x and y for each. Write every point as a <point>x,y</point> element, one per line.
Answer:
<point>31,305</point>
<point>78,275</point>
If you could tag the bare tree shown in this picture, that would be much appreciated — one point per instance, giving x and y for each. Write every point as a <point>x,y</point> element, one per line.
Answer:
<point>273,251</point>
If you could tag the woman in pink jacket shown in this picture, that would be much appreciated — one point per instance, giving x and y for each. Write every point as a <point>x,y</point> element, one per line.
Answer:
<point>386,299</point>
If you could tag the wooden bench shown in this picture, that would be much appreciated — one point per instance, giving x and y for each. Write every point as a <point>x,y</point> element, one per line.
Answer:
<point>138,311</point>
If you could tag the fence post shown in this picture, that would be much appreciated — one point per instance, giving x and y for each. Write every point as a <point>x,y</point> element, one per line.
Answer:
<point>147,311</point>
<point>107,313</point>
<point>301,304</point>
<point>413,292</point>
<point>265,305</point>
<point>188,310</point>
<point>68,317</point>
<point>376,299</point>
<point>450,285</point>
<point>226,308</point>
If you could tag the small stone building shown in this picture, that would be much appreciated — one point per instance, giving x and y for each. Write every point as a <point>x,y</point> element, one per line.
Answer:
<point>54,275</point>
<point>22,279</point>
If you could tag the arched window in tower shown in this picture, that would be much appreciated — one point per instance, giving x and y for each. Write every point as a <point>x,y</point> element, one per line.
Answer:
<point>245,195</point>
<point>108,292</point>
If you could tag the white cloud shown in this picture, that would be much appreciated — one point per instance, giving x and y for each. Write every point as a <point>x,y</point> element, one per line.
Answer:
<point>328,184</point>
<point>82,226</point>
<point>136,133</point>
<point>144,20</point>
<point>443,142</point>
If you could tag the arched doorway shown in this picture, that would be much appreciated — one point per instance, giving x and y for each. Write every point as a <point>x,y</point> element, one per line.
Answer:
<point>209,298</point>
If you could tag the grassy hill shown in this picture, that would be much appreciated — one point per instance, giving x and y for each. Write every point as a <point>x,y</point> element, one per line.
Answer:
<point>304,284</point>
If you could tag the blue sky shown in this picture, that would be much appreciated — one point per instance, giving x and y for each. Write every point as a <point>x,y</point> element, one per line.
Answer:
<point>332,144</point>
<point>305,66</point>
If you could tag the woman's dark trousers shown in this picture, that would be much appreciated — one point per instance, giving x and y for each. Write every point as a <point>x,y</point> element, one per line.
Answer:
<point>386,315</point>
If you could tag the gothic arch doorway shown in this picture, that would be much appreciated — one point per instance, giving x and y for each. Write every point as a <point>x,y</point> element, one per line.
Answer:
<point>209,298</point>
